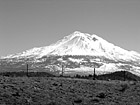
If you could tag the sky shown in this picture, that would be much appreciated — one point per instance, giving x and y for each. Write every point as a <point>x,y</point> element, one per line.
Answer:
<point>25,24</point>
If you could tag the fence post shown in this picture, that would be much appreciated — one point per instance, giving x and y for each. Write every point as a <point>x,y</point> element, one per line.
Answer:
<point>27,70</point>
<point>94,74</point>
<point>124,75</point>
<point>62,70</point>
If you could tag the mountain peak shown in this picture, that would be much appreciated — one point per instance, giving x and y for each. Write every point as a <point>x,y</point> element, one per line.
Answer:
<point>79,43</point>
<point>86,35</point>
<point>77,32</point>
<point>81,33</point>
<point>80,48</point>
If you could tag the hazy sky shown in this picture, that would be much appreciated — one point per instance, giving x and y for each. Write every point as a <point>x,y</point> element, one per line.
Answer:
<point>25,24</point>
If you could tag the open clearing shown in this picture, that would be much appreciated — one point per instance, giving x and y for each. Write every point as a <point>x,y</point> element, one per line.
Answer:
<point>67,91</point>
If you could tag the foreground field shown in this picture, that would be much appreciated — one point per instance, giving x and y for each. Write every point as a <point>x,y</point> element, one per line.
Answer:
<point>67,91</point>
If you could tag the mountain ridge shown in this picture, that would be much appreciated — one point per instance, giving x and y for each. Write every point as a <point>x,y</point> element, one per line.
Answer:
<point>81,51</point>
<point>81,44</point>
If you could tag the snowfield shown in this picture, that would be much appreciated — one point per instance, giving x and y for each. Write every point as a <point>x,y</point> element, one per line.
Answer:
<point>78,52</point>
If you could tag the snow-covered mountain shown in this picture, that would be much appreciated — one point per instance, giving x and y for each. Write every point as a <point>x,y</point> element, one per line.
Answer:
<point>81,44</point>
<point>78,48</point>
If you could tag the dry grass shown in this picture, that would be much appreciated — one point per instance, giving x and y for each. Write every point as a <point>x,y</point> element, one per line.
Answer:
<point>67,91</point>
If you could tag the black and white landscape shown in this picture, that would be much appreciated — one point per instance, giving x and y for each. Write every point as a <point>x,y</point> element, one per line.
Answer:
<point>69,52</point>
<point>79,53</point>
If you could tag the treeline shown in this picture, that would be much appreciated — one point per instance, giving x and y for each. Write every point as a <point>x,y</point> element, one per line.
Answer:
<point>29,74</point>
<point>119,75</point>
<point>85,76</point>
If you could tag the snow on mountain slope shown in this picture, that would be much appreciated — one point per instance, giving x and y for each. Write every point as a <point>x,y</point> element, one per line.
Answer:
<point>84,51</point>
<point>84,44</point>
<point>81,44</point>
<point>106,68</point>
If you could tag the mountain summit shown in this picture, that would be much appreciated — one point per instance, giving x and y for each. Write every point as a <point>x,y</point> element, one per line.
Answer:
<point>85,44</point>
<point>78,48</point>
<point>79,43</point>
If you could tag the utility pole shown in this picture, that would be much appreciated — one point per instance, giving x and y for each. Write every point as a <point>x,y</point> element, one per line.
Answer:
<point>63,63</point>
<point>94,74</point>
<point>27,71</point>
<point>62,66</point>
<point>124,75</point>
<point>62,70</point>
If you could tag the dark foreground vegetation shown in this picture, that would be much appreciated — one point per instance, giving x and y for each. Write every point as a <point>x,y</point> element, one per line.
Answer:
<point>24,74</point>
<point>67,91</point>
<point>119,75</point>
